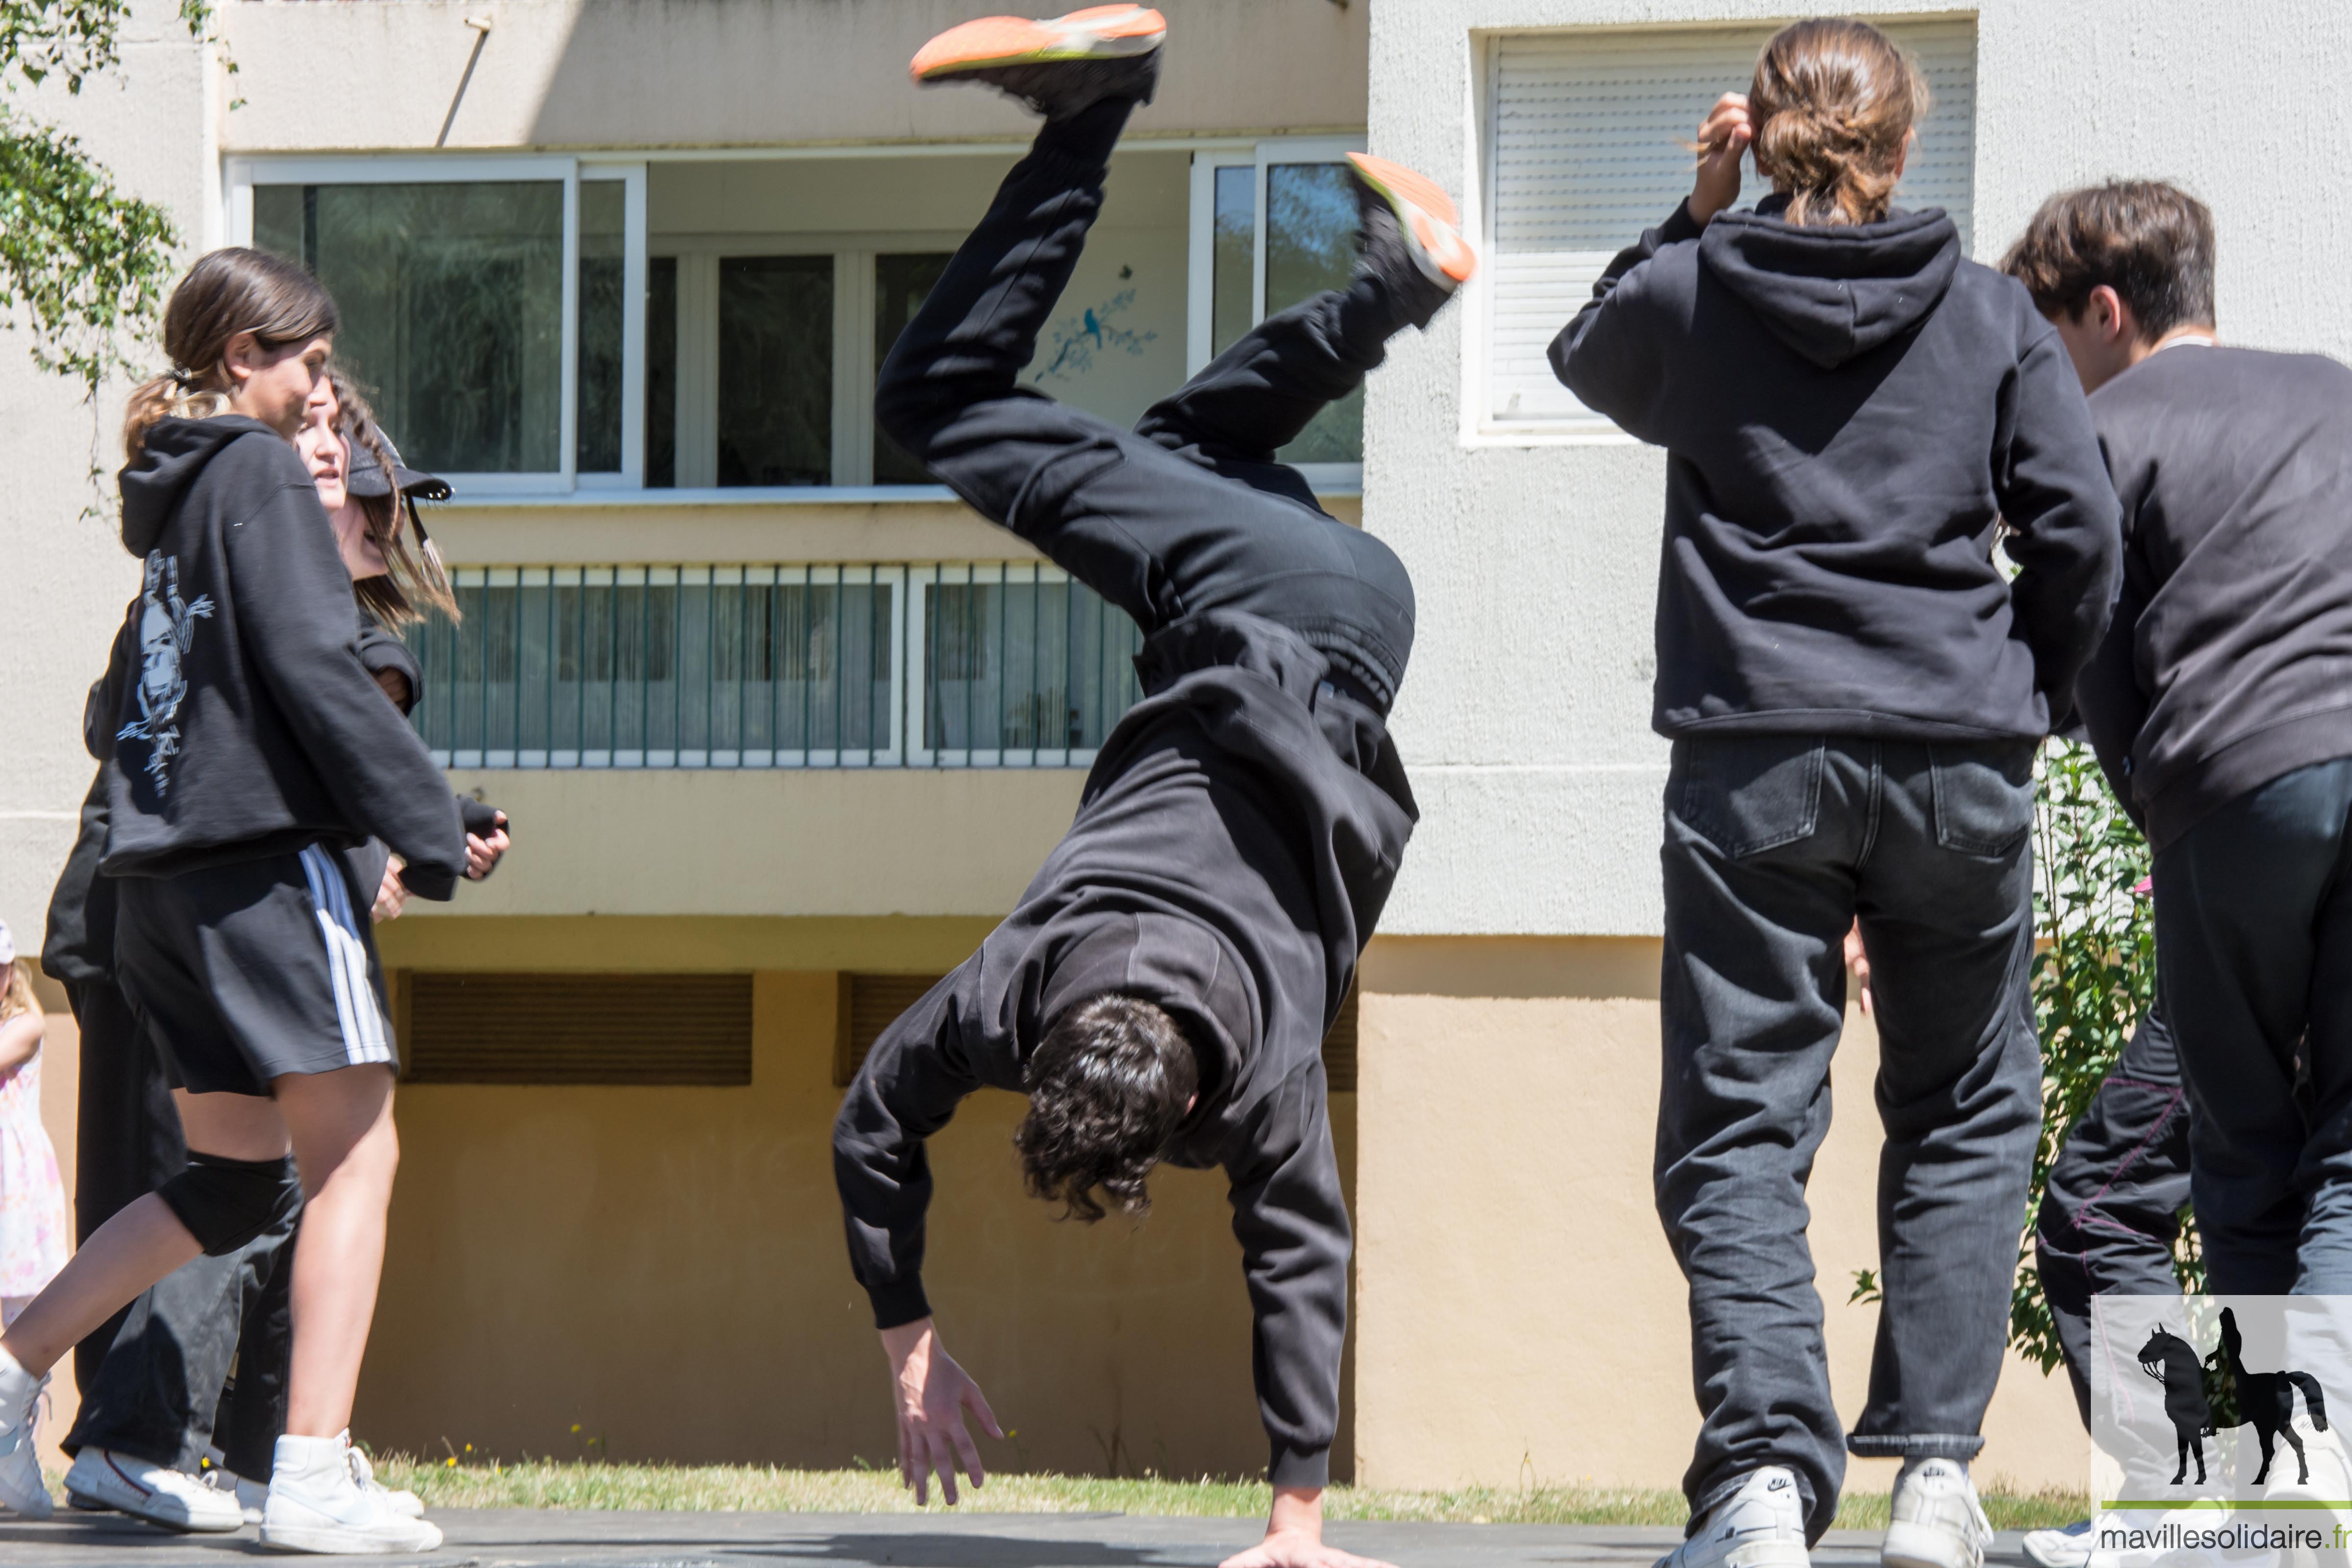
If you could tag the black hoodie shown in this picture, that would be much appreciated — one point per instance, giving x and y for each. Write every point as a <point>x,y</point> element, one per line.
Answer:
<point>235,707</point>
<point>1235,843</point>
<point>1850,414</point>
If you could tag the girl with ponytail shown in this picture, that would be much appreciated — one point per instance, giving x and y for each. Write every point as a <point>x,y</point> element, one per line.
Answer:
<point>250,747</point>
<point>1853,413</point>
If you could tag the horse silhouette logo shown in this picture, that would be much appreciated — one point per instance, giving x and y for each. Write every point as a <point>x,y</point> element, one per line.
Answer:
<point>2201,1398</point>
<point>167,627</point>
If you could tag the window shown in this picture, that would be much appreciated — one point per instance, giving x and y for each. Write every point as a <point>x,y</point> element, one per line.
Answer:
<point>489,304</point>
<point>1271,228</point>
<point>776,370</point>
<point>1587,145</point>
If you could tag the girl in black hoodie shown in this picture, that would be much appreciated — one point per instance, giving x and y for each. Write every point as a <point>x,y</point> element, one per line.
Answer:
<point>251,746</point>
<point>1854,689</point>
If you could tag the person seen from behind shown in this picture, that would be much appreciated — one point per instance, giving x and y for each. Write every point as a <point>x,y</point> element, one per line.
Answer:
<point>2221,703</point>
<point>1853,414</point>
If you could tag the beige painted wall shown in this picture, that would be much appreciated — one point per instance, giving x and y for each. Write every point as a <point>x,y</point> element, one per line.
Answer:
<point>666,1269</point>
<point>1519,1316</point>
<point>695,73</point>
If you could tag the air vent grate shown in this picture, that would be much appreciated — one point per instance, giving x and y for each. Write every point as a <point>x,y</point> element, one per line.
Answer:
<point>489,1028</point>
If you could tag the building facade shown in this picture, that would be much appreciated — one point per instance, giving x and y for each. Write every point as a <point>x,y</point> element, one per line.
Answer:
<point>783,728</point>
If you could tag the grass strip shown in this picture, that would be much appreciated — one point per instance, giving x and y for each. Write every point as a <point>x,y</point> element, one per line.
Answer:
<point>554,1483</point>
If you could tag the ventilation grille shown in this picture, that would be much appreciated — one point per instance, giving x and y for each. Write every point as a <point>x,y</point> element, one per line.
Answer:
<point>466,1027</point>
<point>872,1003</point>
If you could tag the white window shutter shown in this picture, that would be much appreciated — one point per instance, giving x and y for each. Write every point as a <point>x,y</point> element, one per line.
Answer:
<point>1590,139</point>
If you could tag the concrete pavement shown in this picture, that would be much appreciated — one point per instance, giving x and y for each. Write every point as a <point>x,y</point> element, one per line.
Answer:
<point>583,1539</point>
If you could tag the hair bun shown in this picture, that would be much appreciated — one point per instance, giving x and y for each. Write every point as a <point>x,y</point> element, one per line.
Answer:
<point>1834,102</point>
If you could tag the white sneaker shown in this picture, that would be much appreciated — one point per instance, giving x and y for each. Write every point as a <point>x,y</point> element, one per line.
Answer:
<point>2068,1546</point>
<point>404,1502</point>
<point>1936,1520</point>
<point>317,1504</point>
<point>1761,1525</point>
<point>101,1478</point>
<point>21,1487</point>
<point>249,1496</point>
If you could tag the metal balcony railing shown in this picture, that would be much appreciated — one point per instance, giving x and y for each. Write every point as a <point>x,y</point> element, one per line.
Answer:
<point>772,667</point>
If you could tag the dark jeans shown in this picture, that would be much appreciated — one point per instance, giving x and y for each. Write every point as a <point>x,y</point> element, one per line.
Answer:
<point>2253,930</point>
<point>127,1133</point>
<point>201,1357</point>
<point>2111,1210</point>
<point>1190,510</point>
<point>1774,845</point>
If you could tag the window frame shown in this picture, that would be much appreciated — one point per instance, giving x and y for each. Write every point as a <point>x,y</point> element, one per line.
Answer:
<point>1200,257</point>
<point>241,175</point>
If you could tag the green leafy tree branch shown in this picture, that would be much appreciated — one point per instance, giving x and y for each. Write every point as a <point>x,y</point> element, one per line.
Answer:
<point>83,266</point>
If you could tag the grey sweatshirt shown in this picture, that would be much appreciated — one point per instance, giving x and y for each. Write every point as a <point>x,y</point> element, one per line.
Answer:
<point>2229,662</point>
<point>1237,840</point>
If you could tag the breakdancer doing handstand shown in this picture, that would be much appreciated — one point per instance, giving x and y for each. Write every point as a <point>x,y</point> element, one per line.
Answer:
<point>1162,989</point>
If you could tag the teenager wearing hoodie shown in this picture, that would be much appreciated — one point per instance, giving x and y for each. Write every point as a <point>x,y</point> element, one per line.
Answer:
<point>1853,413</point>
<point>1163,988</point>
<point>163,1394</point>
<point>251,745</point>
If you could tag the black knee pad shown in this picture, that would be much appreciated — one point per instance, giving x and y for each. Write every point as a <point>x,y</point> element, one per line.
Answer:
<point>226,1203</point>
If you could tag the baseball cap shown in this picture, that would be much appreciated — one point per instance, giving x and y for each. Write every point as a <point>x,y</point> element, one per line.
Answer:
<point>364,476</point>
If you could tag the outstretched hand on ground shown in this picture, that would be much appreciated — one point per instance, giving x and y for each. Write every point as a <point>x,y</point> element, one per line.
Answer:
<point>1294,1537</point>
<point>930,1393</point>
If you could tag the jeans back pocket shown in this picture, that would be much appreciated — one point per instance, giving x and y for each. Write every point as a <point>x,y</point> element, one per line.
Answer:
<point>1746,793</point>
<point>1984,795</point>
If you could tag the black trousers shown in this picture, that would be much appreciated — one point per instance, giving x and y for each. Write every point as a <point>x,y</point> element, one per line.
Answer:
<point>201,1357</point>
<point>1190,510</point>
<point>2254,930</point>
<point>2111,1210</point>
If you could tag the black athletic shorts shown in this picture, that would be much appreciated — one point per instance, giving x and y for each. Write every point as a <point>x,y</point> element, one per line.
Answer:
<point>246,972</point>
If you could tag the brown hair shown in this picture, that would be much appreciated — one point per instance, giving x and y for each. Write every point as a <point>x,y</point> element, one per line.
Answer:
<point>1833,102</point>
<point>417,581</point>
<point>17,993</point>
<point>2150,242</point>
<point>1108,1086</point>
<point>224,293</point>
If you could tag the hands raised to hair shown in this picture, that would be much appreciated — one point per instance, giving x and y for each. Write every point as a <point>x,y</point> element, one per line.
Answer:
<point>931,1394</point>
<point>1723,139</point>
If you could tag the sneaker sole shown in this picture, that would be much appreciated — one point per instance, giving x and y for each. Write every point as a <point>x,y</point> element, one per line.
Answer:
<point>90,1502</point>
<point>1427,214</point>
<point>1914,1546</point>
<point>1097,33</point>
<point>1757,1554</point>
<point>328,1542</point>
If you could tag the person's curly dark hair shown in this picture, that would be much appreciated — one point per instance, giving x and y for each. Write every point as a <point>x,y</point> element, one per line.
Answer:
<point>1108,1085</point>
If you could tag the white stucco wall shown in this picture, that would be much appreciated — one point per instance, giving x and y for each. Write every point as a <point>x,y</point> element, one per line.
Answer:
<point>1526,721</point>
<point>64,577</point>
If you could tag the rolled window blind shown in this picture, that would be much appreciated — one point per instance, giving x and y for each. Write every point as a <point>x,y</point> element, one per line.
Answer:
<point>1590,136</point>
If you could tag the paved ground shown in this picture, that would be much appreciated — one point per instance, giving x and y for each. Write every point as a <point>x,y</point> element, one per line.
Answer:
<point>554,1538</point>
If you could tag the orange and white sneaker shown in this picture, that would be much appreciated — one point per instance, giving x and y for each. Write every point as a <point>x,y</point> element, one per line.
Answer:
<point>1408,219</point>
<point>1059,66</point>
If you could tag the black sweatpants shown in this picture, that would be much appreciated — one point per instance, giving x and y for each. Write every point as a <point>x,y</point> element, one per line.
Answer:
<point>201,1357</point>
<point>2111,1209</point>
<point>1190,510</point>
<point>2253,932</point>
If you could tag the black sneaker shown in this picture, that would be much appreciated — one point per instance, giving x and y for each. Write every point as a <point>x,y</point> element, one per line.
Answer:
<point>1059,67</point>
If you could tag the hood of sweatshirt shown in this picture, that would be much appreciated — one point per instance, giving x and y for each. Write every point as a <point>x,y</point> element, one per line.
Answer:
<point>1830,293</point>
<point>1176,962</point>
<point>174,452</point>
